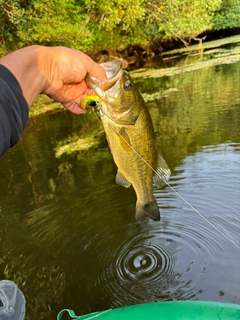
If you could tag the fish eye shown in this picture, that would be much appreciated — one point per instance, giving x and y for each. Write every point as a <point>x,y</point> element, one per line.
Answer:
<point>127,85</point>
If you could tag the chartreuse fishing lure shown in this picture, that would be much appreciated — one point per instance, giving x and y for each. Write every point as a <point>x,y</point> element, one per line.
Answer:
<point>92,100</point>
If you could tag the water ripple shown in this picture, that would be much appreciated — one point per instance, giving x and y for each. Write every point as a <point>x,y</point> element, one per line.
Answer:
<point>144,261</point>
<point>155,262</point>
<point>174,259</point>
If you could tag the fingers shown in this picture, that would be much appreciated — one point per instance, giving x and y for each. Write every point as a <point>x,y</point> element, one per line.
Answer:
<point>74,107</point>
<point>67,83</point>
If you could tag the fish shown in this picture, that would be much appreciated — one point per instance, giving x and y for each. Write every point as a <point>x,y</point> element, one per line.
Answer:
<point>130,135</point>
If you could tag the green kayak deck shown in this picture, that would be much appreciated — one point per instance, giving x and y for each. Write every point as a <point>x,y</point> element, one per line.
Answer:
<point>172,310</point>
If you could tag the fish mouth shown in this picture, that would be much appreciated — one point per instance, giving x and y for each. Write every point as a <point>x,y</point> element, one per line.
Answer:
<point>113,71</point>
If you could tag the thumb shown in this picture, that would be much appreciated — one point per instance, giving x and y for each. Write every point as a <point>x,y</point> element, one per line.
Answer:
<point>97,71</point>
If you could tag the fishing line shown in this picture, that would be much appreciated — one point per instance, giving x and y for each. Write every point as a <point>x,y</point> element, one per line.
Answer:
<point>95,114</point>
<point>178,194</point>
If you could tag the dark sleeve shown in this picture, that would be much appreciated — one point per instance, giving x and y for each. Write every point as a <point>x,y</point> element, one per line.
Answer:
<point>13,110</point>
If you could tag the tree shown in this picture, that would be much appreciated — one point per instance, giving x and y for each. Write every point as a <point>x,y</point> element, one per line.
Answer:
<point>227,16</point>
<point>118,22</point>
<point>11,13</point>
<point>180,19</point>
<point>92,25</point>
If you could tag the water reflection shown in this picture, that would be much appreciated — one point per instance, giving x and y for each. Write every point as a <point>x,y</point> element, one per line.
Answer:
<point>67,231</point>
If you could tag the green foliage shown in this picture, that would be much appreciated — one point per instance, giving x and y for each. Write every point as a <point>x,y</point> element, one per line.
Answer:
<point>91,25</point>
<point>10,14</point>
<point>119,21</point>
<point>45,22</point>
<point>180,18</point>
<point>54,23</point>
<point>228,15</point>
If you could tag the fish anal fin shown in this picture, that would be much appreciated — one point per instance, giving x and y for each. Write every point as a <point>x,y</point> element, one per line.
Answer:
<point>162,173</point>
<point>121,180</point>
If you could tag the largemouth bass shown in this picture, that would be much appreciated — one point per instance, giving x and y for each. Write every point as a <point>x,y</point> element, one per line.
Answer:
<point>130,135</point>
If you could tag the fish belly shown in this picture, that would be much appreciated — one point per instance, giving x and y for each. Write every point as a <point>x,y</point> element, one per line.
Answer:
<point>134,152</point>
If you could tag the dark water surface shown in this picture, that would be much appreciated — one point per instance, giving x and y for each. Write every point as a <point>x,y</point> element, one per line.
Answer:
<point>68,233</point>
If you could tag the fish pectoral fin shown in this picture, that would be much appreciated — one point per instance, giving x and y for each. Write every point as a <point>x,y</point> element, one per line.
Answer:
<point>122,181</point>
<point>123,140</point>
<point>162,173</point>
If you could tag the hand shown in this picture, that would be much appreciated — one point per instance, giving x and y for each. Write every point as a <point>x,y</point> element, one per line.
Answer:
<point>59,72</point>
<point>66,77</point>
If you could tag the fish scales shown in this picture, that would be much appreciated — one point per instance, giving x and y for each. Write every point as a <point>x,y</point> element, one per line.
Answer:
<point>130,134</point>
<point>127,161</point>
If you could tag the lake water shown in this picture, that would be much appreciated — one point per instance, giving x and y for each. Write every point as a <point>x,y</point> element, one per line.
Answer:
<point>68,233</point>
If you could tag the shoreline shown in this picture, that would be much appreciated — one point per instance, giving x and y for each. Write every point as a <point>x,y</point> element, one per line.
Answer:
<point>143,56</point>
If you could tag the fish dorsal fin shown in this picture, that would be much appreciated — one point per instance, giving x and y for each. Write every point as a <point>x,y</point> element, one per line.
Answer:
<point>122,181</point>
<point>162,173</point>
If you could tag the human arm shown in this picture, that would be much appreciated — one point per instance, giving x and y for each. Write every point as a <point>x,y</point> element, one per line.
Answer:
<point>58,72</point>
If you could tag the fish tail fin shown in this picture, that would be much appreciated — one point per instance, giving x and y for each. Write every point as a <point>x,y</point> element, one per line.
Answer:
<point>149,210</point>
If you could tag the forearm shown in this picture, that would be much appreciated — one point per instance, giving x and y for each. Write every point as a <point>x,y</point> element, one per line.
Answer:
<point>28,66</point>
<point>13,110</point>
<point>58,72</point>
